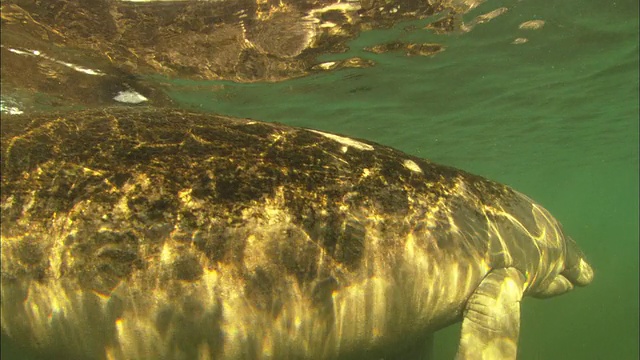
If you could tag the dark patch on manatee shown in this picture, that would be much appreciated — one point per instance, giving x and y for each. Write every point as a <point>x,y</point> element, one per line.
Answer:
<point>350,243</point>
<point>106,237</point>
<point>204,188</point>
<point>32,256</point>
<point>163,319</point>
<point>116,255</point>
<point>102,259</point>
<point>322,293</point>
<point>260,285</point>
<point>158,233</point>
<point>187,267</point>
<point>194,316</point>
<point>119,179</point>
<point>212,242</point>
<point>30,251</point>
<point>115,307</point>
<point>243,184</point>
<point>188,222</point>
<point>297,254</point>
<point>151,208</point>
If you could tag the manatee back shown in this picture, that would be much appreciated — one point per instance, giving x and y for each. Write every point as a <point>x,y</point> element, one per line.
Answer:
<point>153,233</point>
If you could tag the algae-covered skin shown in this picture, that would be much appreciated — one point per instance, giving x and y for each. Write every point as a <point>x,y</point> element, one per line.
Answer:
<point>133,233</point>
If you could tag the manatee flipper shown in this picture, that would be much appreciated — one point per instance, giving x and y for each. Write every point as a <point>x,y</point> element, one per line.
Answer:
<point>577,270</point>
<point>491,322</point>
<point>558,286</point>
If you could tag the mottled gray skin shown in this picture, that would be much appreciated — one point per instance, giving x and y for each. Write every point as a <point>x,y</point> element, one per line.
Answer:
<point>166,234</point>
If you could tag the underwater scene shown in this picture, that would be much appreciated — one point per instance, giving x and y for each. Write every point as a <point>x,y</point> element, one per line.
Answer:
<point>540,96</point>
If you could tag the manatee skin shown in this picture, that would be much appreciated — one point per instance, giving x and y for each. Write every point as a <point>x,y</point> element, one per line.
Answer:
<point>167,234</point>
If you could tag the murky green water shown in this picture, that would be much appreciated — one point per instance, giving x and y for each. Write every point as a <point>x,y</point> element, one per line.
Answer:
<point>555,117</point>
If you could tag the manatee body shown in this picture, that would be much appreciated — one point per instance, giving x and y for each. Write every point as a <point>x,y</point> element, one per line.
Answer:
<point>167,234</point>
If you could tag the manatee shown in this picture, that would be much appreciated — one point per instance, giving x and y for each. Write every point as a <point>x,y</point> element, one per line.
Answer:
<point>141,233</point>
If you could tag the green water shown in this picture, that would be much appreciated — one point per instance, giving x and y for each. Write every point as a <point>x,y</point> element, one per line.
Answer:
<point>556,118</point>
